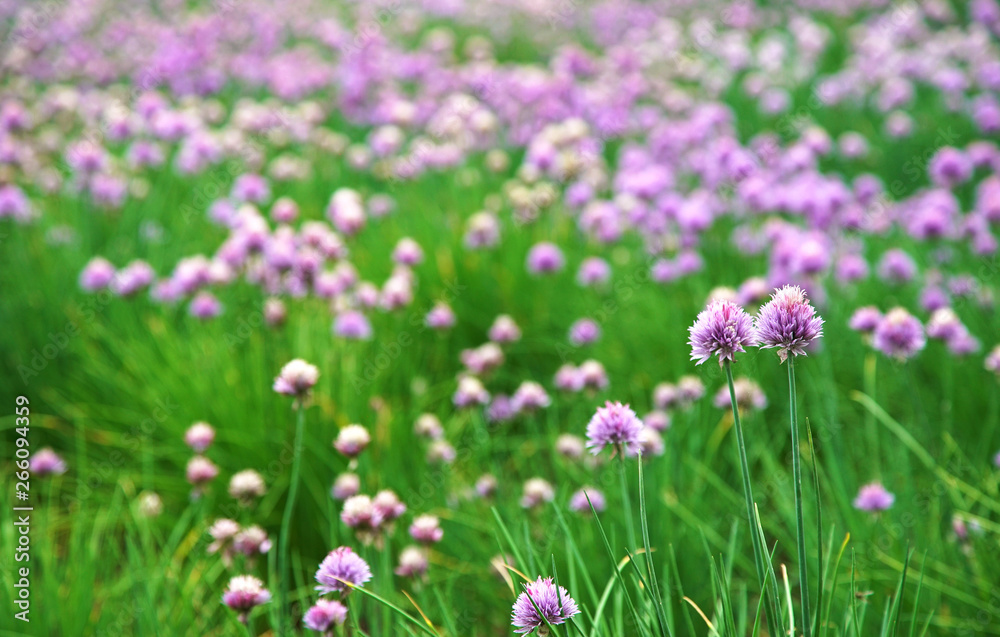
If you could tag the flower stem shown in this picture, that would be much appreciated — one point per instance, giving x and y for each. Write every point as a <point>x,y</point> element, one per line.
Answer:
<point>627,503</point>
<point>758,551</point>
<point>293,487</point>
<point>800,534</point>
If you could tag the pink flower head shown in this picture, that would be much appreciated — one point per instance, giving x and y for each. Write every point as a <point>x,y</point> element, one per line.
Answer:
<point>723,329</point>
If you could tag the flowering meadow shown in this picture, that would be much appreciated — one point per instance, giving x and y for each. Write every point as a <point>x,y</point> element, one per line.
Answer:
<point>550,317</point>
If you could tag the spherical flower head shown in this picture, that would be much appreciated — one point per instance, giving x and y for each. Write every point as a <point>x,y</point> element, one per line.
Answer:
<point>470,392</point>
<point>426,529</point>
<point>244,593</point>
<point>723,329</point>
<point>486,486</point>
<point>275,312</point>
<point>345,485</point>
<point>592,375</point>
<point>149,504</point>
<point>613,425</point>
<point>201,470</point>
<point>530,396</point>
<point>359,513</point>
<point>407,252</point>
<point>899,334</point>
<point>568,378</point>
<point>352,440</point>
<point>873,497</point>
<point>97,275</point>
<point>944,324</point>
<point>865,319</point>
<point>992,362</point>
<point>388,505</point>
<point>205,306</point>
<point>584,332</point>
<point>593,271</point>
<point>541,604</point>
<point>441,452</point>
<point>545,258</point>
<point>352,325</point>
<point>428,426</point>
<point>666,396</point>
<point>199,436</point>
<point>657,420</point>
<point>246,485</point>
<point>45,462</point>
<point>342,567</point>
<point>537,491</point>
<point>788,323</point>
<point>650,443</point>
<point>412,562</point>
<point>440,317</point>
<point>251,541</point>
<point>570,446</point>
<point>325,614</point>
<point>578,502</point>
<point>690,388</point>
<point>504,330</point>
<point>222,531</point>
<point>297,378</point>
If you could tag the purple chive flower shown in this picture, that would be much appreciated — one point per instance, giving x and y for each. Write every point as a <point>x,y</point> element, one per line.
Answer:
<point>584,332</point>
<point>613,425</point>
<point>345,485</point>
<point>408,252</point>
<point>200,470</point>
<point>896,266</point>
<point>545,258</point>
<point>325,614</point>
<point>440,317</point>
<point>244,593</point>
<point>749,396</point>
<point>865,319</point>
<point>352,440</point>
<point>275,312</point>
<point>428,426</point>
<point>873,497</point>
<point>788,322</point>
<point>441,452</point>
<point>426,529</point>
<point>537,491</point>
<point>134,277</point>
<point>359,513</point>
<point>97,275</point>
<point>899,334</point>
<point>578,501</point>
<point>251,541</point>
<point>592,375</point>
<point>723,329</point>
<point>470,392</point>
<point>388,505</point>
<point>486,485</point>
<point>992,364</point>
<point>297,378</point>
<point>666,396</point>
<point>352,324</point>
<point>657,420</point>
<point>342,567</point>
<point>45,462</point>
<point>950,167</point>
<point>504,330</point>
<point>412,562</point>
<point>541,604</point>
<point>593,271</point>
<point>246,485</point>
<point>284,210</point>
<point>530,396</point>
<point>199,436</point>
<point>690,389</point>
<point>205,306</point>
<point>570,446</point>
<point>568,378</point>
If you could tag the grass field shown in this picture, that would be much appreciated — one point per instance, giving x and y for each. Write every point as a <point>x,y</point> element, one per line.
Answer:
<point>699,150</point>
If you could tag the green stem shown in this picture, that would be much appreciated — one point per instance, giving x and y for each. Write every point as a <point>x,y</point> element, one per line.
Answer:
<point>293,487</point>
<point>758,551</point>
<point>800,534</point>
<point>626,502</point>
<point>870,362</point>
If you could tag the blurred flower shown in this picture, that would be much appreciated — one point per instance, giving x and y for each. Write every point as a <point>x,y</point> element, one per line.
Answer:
<point>441,451</point>
<point>899,335</point>
<point>584,332</point>
<point>578,501</point>
<point>504,330</point>
<point>470,392</point>
<point>388,505</point>
<point>865,319</point>
<point>360,514</point>
<point>246,485</point>
<point>200,470</point>
<point>486,485</point>
<point>353,325</point>
<point>345,485</point>
<point>530,396</point>
<point>873,497</point>
<point>440,317</point>
<point>426,529</point>
<point>199,436</point>
<point>325,614</point>
<point>251,541</point>
<point>97,275</point>
<point>150,504</point>
<point>352,440</point>
<point>412,562</point>
<point>428,426</point>
<point>545,258</point>
<point>749,395</point>
<point>45,462</point>
<point>537,491</point>
<point>297,378</point>
<point>205,306</point>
